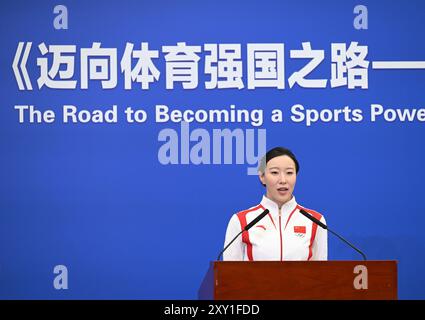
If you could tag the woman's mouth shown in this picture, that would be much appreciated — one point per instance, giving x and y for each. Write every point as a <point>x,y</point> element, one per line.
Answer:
<point>282,190</point>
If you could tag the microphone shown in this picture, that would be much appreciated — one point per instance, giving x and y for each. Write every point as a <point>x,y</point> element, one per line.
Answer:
<point>324,226</point>
<point>247,227</point>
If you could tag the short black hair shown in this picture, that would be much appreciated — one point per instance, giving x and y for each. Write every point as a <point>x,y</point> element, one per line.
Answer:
<point>276,152</point>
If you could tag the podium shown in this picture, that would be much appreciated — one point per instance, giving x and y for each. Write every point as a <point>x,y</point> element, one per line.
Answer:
<point>300,280</point>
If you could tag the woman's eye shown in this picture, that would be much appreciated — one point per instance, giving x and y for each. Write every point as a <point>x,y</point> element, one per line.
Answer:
<point>289,173</point>
<point>274,172</point>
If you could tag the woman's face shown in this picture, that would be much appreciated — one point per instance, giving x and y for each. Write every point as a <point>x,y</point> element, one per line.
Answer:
<point>279,177</point>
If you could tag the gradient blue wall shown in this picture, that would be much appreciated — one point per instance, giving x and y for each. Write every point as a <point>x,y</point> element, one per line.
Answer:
<point>96,199</point>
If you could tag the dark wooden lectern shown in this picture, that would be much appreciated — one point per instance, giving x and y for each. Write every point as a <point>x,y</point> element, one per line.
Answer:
<point>305,280</point>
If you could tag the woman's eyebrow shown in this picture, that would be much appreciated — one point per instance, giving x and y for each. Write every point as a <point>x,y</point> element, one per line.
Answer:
<point>288,168</point>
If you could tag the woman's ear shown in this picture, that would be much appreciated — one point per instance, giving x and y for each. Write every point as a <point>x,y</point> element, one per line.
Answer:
<point>261,177</point>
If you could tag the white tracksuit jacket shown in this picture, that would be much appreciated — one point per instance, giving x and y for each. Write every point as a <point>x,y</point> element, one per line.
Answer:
<point>283,234</point>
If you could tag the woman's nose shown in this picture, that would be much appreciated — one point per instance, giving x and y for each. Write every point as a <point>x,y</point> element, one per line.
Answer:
<point>282,178</point>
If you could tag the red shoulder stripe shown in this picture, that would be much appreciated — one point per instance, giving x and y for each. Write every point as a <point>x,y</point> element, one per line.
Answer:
<point>318,216</point>
<point>245,235</point>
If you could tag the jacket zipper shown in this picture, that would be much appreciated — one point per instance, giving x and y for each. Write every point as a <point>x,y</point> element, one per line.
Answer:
<point>280,231</point>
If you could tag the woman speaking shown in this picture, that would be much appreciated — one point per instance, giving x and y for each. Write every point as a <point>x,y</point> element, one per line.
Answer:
<point>284,234</point>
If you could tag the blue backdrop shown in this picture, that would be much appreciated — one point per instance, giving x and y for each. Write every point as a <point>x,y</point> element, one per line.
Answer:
<point>95,197</point>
